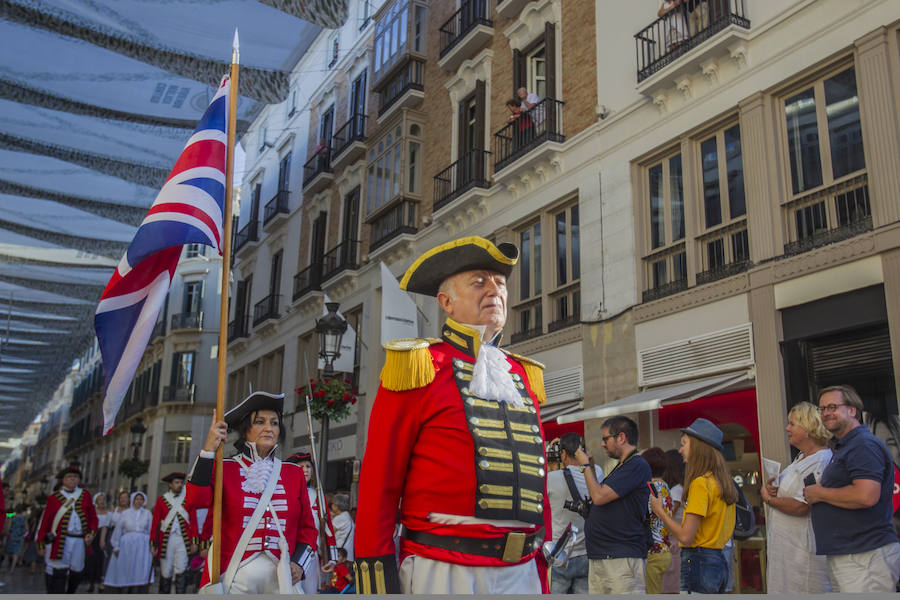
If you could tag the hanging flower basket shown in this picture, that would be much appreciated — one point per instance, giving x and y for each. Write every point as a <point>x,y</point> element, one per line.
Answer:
<point>133,468</point>
<point>330,398</point>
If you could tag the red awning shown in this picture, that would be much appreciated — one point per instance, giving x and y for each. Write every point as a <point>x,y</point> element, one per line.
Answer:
<point>734,407</point>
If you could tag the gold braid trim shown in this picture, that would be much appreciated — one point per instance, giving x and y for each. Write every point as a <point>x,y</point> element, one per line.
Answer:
<point>534,371</point>
<point>407,364</point>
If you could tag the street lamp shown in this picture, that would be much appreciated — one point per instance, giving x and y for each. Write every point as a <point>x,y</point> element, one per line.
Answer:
<point>137,431</point>
<point>330,329</point>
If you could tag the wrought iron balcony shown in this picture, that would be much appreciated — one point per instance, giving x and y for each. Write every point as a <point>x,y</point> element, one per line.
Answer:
<point>239,328</point>
<point>342,257</point>
<point>468,172</point>
<point>521,336</point>
<point>278,205</point>
<point>468,29</point>
<point>182,394</point>
<point>248,233</point>
<point>307,280</point>
<point>266,309</point>
<point>191,320</point>
<point>397,220</point>
<point>410,78</point>
<point>671,36</point>
<point>318,164</point>
<point>828,215</point>
<point>543,123</point>
<point>352,131</point>
<point>159,330</point>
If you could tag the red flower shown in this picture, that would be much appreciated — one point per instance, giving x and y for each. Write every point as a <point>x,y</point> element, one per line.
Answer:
<point>346,397</point>
<point>354,391</point>
<point>331,403</point>
<point>347,381</point>
<point>320,394</point>
<point>353,401</point>
<point>312,380</point>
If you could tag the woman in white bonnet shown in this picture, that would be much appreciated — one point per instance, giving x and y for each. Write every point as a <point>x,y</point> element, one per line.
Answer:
<point>131,547</point>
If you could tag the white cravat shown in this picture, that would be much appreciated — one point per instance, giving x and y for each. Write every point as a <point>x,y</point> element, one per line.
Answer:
<point>491,379</point>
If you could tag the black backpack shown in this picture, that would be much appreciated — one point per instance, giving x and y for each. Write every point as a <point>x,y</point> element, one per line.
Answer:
<point>744,519</point>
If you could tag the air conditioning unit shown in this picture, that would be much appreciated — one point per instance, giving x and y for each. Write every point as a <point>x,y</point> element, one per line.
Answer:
<point>717,352</point>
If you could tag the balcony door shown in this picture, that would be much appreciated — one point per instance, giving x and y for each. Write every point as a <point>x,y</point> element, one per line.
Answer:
<point>471,137</point>
<point>254,203</point>
<point>319,235</point>
<point>534,67</point>
<point>275,274</point>
<point>326,127</point>
<point>358,99</point>
<point>284,173</point>
<point>193,295</point>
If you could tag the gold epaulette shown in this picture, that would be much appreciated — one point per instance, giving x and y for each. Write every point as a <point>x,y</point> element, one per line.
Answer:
<point>534,370</point>
<point>408,365</point>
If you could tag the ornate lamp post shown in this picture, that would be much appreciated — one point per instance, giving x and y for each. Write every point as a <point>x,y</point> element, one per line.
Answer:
<point>330,329</point>
<point>137,432</point>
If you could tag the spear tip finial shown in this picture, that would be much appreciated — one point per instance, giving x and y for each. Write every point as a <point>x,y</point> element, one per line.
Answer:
<point>235,48</point>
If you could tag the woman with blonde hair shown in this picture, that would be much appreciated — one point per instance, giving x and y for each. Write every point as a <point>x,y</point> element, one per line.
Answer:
<point>791,547</point>
<point>709,510</point>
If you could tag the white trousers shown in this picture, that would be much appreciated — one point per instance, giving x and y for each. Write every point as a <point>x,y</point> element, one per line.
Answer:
<point>259,575</point>
<point>176,559</point>
<point>72,557</point>
<point>310,583</point>
<point>419,575</point>
<point>874,571</point>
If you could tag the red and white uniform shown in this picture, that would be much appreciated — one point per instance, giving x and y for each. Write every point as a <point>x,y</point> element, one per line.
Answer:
<point>437,453</point>
<point>313,576</point>
<point>77,519</point>
<point>173,541</point>
<point>290,501</point>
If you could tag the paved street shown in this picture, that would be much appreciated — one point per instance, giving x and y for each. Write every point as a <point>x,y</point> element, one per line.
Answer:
<point>23,582</point>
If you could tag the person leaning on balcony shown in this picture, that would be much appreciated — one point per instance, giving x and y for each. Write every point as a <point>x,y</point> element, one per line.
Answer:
<point>674,24</point>
<point>697,15</point>
<point>528,102</point>
<point>455,440</point>
<point>524,129</point>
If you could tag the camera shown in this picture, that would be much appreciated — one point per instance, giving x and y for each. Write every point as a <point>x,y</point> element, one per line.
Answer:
<point>582,507</point>
<point>553,454</point>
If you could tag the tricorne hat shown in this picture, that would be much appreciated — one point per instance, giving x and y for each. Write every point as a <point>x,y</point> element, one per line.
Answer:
<point>173,475</point>
<point>252,403</point>
<point>299,457</point>
<point>705,431</point>
<point>70,469</point>
<point>427,273</point>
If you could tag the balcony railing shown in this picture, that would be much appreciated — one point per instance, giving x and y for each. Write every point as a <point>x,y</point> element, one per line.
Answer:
<point>410,77</point>
<point>307,280</point>
<point>665,272</point>
<point>353,130</point>
<point>342,257</point>
<point>829,215</point>
<point>543,123</point>
<point>318,163</point>
<point>277,205</point>
<point>239,328</point>
<point>521,336</point>
<point>468,172</point>
<point>724,252</point>
<point>187,321</point>
<point>471,14</point>
<point>675,34</point>
<point>159,330</point>
<point>248,233</point>
<point>399,219</point>
<point>181,394</point>
<point>265,309</point>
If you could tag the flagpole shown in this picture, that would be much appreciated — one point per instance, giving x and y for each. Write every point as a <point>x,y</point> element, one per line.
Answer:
<point>223,311</point>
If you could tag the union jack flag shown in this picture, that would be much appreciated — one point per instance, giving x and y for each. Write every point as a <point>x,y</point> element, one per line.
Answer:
<point>189,209</point>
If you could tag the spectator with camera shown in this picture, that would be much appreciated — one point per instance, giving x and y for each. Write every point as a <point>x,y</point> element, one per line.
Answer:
<point>569,504</point>
<point>617,533</point>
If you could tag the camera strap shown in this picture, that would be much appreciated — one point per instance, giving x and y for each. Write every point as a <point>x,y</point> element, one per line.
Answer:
<point>570,481</point>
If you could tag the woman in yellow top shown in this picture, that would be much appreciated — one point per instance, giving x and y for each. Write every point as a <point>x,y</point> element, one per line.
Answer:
<point>709,502</point>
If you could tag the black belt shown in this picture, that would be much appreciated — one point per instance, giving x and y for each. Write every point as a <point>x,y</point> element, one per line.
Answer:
<point>509,548</point>
<point>81,535</point>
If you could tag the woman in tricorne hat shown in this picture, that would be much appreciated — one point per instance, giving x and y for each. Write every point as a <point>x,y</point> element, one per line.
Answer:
<point>131,547</point>
<point>264,551</point>
<point>709,510</point>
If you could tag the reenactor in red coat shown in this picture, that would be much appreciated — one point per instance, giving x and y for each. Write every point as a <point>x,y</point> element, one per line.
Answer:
<point>268,550</point>
<point>455,440</point>
<point>173,535</point>
<point>65,532</point>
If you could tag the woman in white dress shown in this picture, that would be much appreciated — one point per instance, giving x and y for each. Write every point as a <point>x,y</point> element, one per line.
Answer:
<point>131,548</point>
<point>123,503</point>
<point>343,523</point>
<point>793,567</point>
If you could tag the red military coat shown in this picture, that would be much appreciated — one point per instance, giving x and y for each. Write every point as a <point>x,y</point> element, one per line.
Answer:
<point>290,500</point>
<point>187,526</point>
<point>426,455</point>
<point>83,509</point>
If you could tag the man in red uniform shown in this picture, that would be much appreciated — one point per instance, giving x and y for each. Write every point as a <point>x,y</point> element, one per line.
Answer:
<point>68,525</point>
<point>455,441</point>
<point>172,533</point>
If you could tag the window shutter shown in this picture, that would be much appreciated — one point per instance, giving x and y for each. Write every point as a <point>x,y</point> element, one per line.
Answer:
<point>519,74</point>
<point>550,57</point>
<point>480,115</point>
<point>461,129</point>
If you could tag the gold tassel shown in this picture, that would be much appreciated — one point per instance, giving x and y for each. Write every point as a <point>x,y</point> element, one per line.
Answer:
<point>407,365</point>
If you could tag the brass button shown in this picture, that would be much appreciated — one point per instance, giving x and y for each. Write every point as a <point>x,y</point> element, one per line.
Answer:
<point>540,460</point>
<point>541,472</point>
<point>537,439</point>
<point>465,391</point>
<point>473,420</point>
<point>484,464</point>
<point>535,428</point>
<point>470,401</point>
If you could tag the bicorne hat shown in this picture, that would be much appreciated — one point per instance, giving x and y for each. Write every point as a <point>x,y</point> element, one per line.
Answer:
<point>427,273</point>
<point>252,403</point>
<point>174,475</point>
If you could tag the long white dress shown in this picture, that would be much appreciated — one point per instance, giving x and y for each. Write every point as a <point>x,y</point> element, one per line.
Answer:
<point>131,538</point>
<point>793,567</point>
<point>343,532</point>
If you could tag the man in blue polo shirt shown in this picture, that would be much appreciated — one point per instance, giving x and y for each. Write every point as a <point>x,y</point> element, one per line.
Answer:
<point>616,531</point>
<point>851,505</point>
